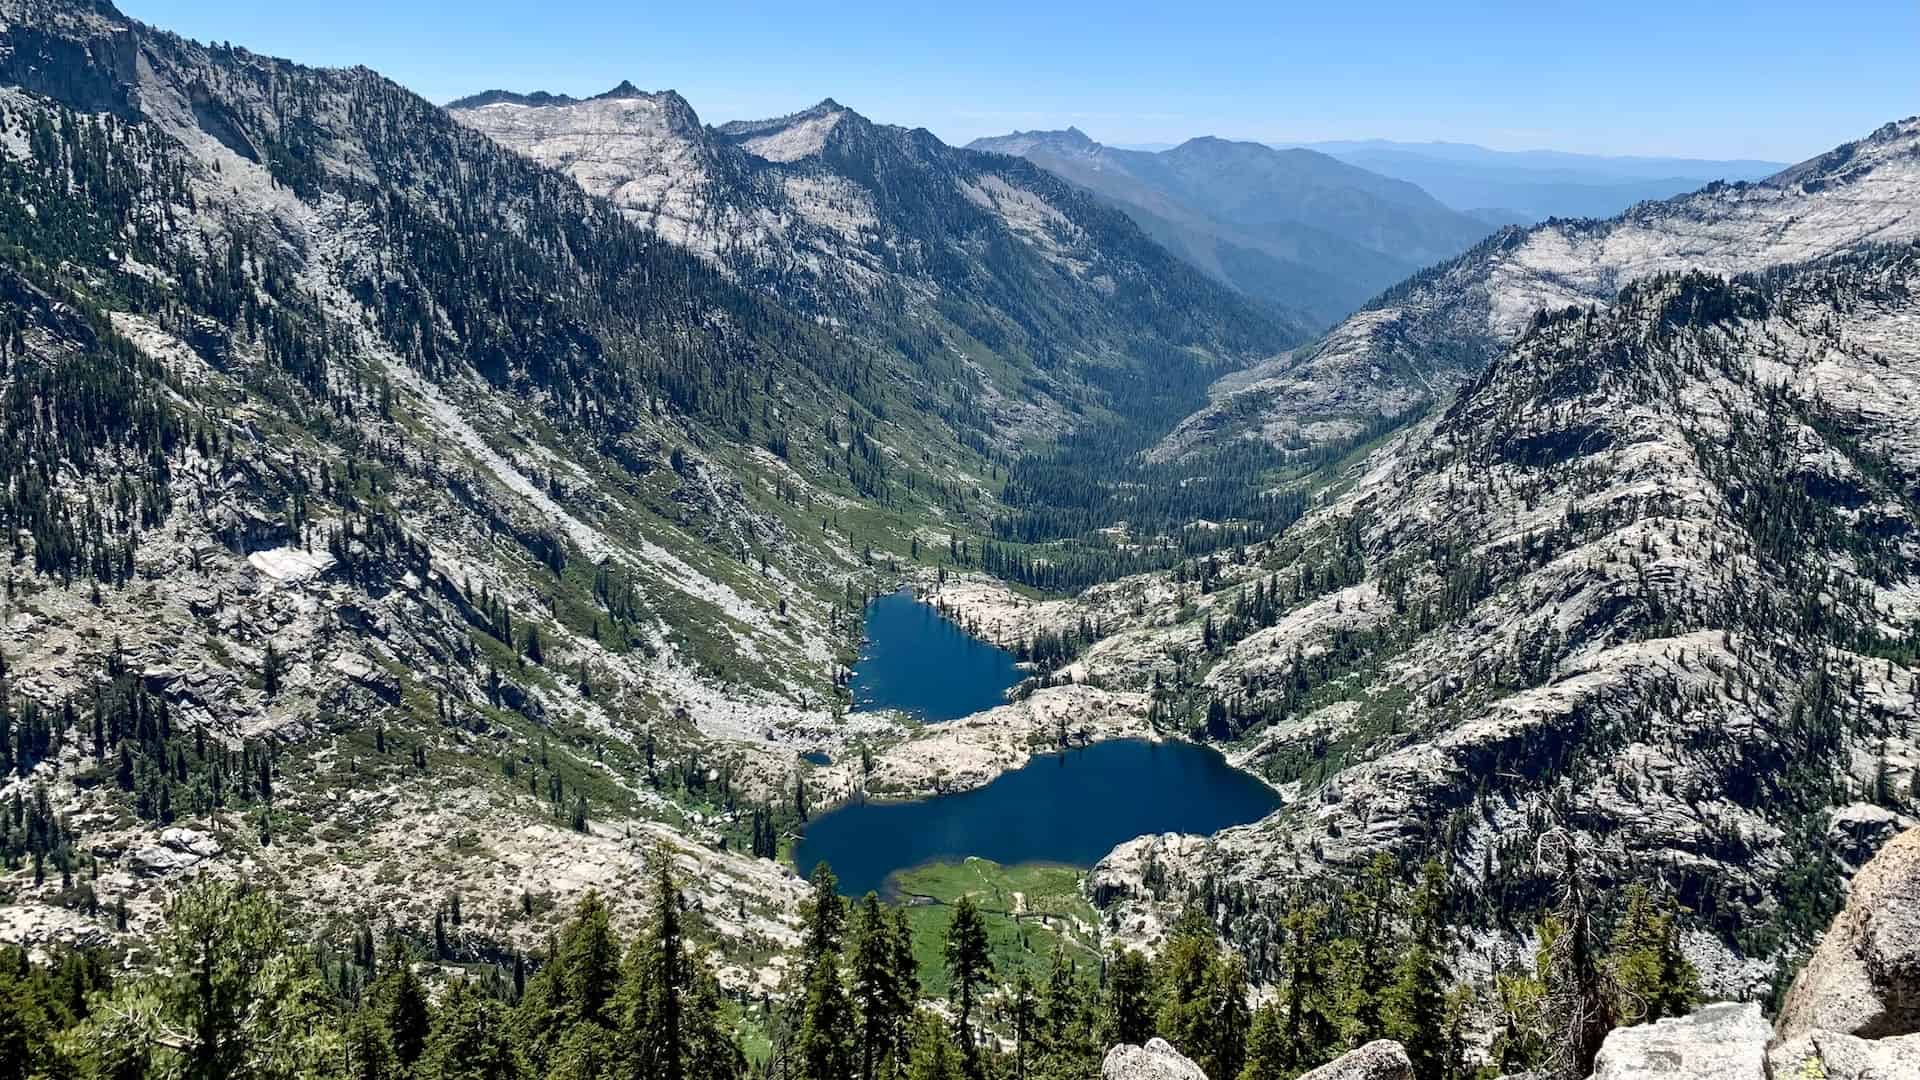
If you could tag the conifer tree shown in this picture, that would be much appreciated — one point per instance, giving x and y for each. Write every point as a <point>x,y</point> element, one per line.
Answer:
<point>1022,1017</point>
<point>576,986</point>
<point>1183,973</point>
<point>1309,1017</point>
<point>402,1003</point>
<point>1067,1041</point>
<point>1421,981</point>
<point>1652,977</point>
<point>367,1053</point>
<point>1579,1003</point>
<point>1270,1053</point>
<point>825,1046</point>
<point>1129,999</point>
<point>470,1039</point>
<point>1227,1039</point>
<point>270,672</point>
<point>969,971</point>
<point>933,1056</point>
<point>879,998</point>
<point>1366,958</point>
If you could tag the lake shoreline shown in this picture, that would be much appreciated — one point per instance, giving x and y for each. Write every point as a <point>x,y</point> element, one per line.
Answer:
<point>1102,795</point>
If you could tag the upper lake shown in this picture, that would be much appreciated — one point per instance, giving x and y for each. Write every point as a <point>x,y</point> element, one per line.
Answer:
<point>919,662</point>
<point>1070,808</point>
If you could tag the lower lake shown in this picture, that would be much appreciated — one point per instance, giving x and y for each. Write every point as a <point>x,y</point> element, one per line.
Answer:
<point>1069,808</point>
<point>917,661</point>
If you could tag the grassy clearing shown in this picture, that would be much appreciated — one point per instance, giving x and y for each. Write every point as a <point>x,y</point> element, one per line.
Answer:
<point>1029,910</point>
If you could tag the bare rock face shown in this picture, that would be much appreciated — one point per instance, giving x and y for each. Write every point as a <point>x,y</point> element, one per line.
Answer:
<point>1830,1055</point>
<point>1864,979</point>
<point>1154,1061</point>
<point>1720,1042</point>
<point>1382,1059</point>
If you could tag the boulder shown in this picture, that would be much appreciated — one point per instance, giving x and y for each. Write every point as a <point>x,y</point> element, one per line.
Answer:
<point>192,841</point>
<point>1829,1055</point>
<point>1154,1061</point>
<point>1864,979</point>
<point>158,860</point>
<point>1382,1059</point>
<point>179,849</point>
<point>1720,1042</point>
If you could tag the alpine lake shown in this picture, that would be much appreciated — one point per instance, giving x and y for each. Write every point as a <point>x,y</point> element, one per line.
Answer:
<point>1063,810</point>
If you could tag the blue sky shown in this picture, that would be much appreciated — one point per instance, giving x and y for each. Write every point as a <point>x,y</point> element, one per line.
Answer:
<point>1758,78</point>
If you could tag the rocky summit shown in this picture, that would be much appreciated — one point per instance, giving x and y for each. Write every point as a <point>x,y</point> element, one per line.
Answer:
<point>445,547</point>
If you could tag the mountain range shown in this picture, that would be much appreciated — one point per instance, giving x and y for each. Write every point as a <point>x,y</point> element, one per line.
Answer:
<point>408,503</point>
<point>1017,285</point>
<point>1524,187</point>
<point>1293,228</point>
<point>1416,343</point>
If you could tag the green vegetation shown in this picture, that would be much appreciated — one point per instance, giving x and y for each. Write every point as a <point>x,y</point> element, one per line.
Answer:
<point>232,993</point>
<point>1029,913</point>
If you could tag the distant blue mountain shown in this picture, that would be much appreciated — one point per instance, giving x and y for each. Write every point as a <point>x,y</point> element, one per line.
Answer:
<point>1522,186</point>
<point>1296,229</point>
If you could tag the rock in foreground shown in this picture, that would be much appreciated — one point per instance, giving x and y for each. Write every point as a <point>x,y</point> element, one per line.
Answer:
<point>1382,1059</point>
<point>1864,979</point>
<point>1830,1055</point>
<point>1720,1042</point>
<point>1154,1061</point>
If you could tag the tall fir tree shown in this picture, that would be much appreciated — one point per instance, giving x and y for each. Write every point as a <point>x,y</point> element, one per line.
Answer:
<point>1423,977</point>
<point>969,972</point>
<point>825,1041</point>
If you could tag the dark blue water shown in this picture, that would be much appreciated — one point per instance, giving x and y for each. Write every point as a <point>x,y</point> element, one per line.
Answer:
<point>818,757</point>
<point>1068,808</point>
<point>922,664</point>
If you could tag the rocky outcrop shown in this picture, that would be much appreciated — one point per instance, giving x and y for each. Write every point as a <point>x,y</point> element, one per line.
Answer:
<point>1864,979</point>
<point>1720,1042</point>
<point>1154,1061</point>
<point>1606,594</point>
<point>1852,1014</point>
<point>1422,339</point>
<point>1829,1055</point>
<point>1382,1059</point>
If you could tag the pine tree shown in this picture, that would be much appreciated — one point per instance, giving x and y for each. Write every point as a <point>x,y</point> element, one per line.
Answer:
<point>589,961</point>
<point>1129,999</point>
<point>1578,1009</point>
<point>824,1045</point>
<point>1227,1039</point>
<point>470,1039</point>
<point>402,1004</point>
<point>932,1056</point>
<point>1022,1017</point>
<point>229,996</point>
<point>906,977</point>
<point>1183,974</point>
<point>368,1054</point>
<point>1422,979</point>
<point>1651,976</point>
<point>1365,960</point>
<point>1067,1042</point>
<point>1270,1053</point>
<point>653,982</point>
<point>1310,1019</point>
<point>969,971</point>
<point>879,999</point>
